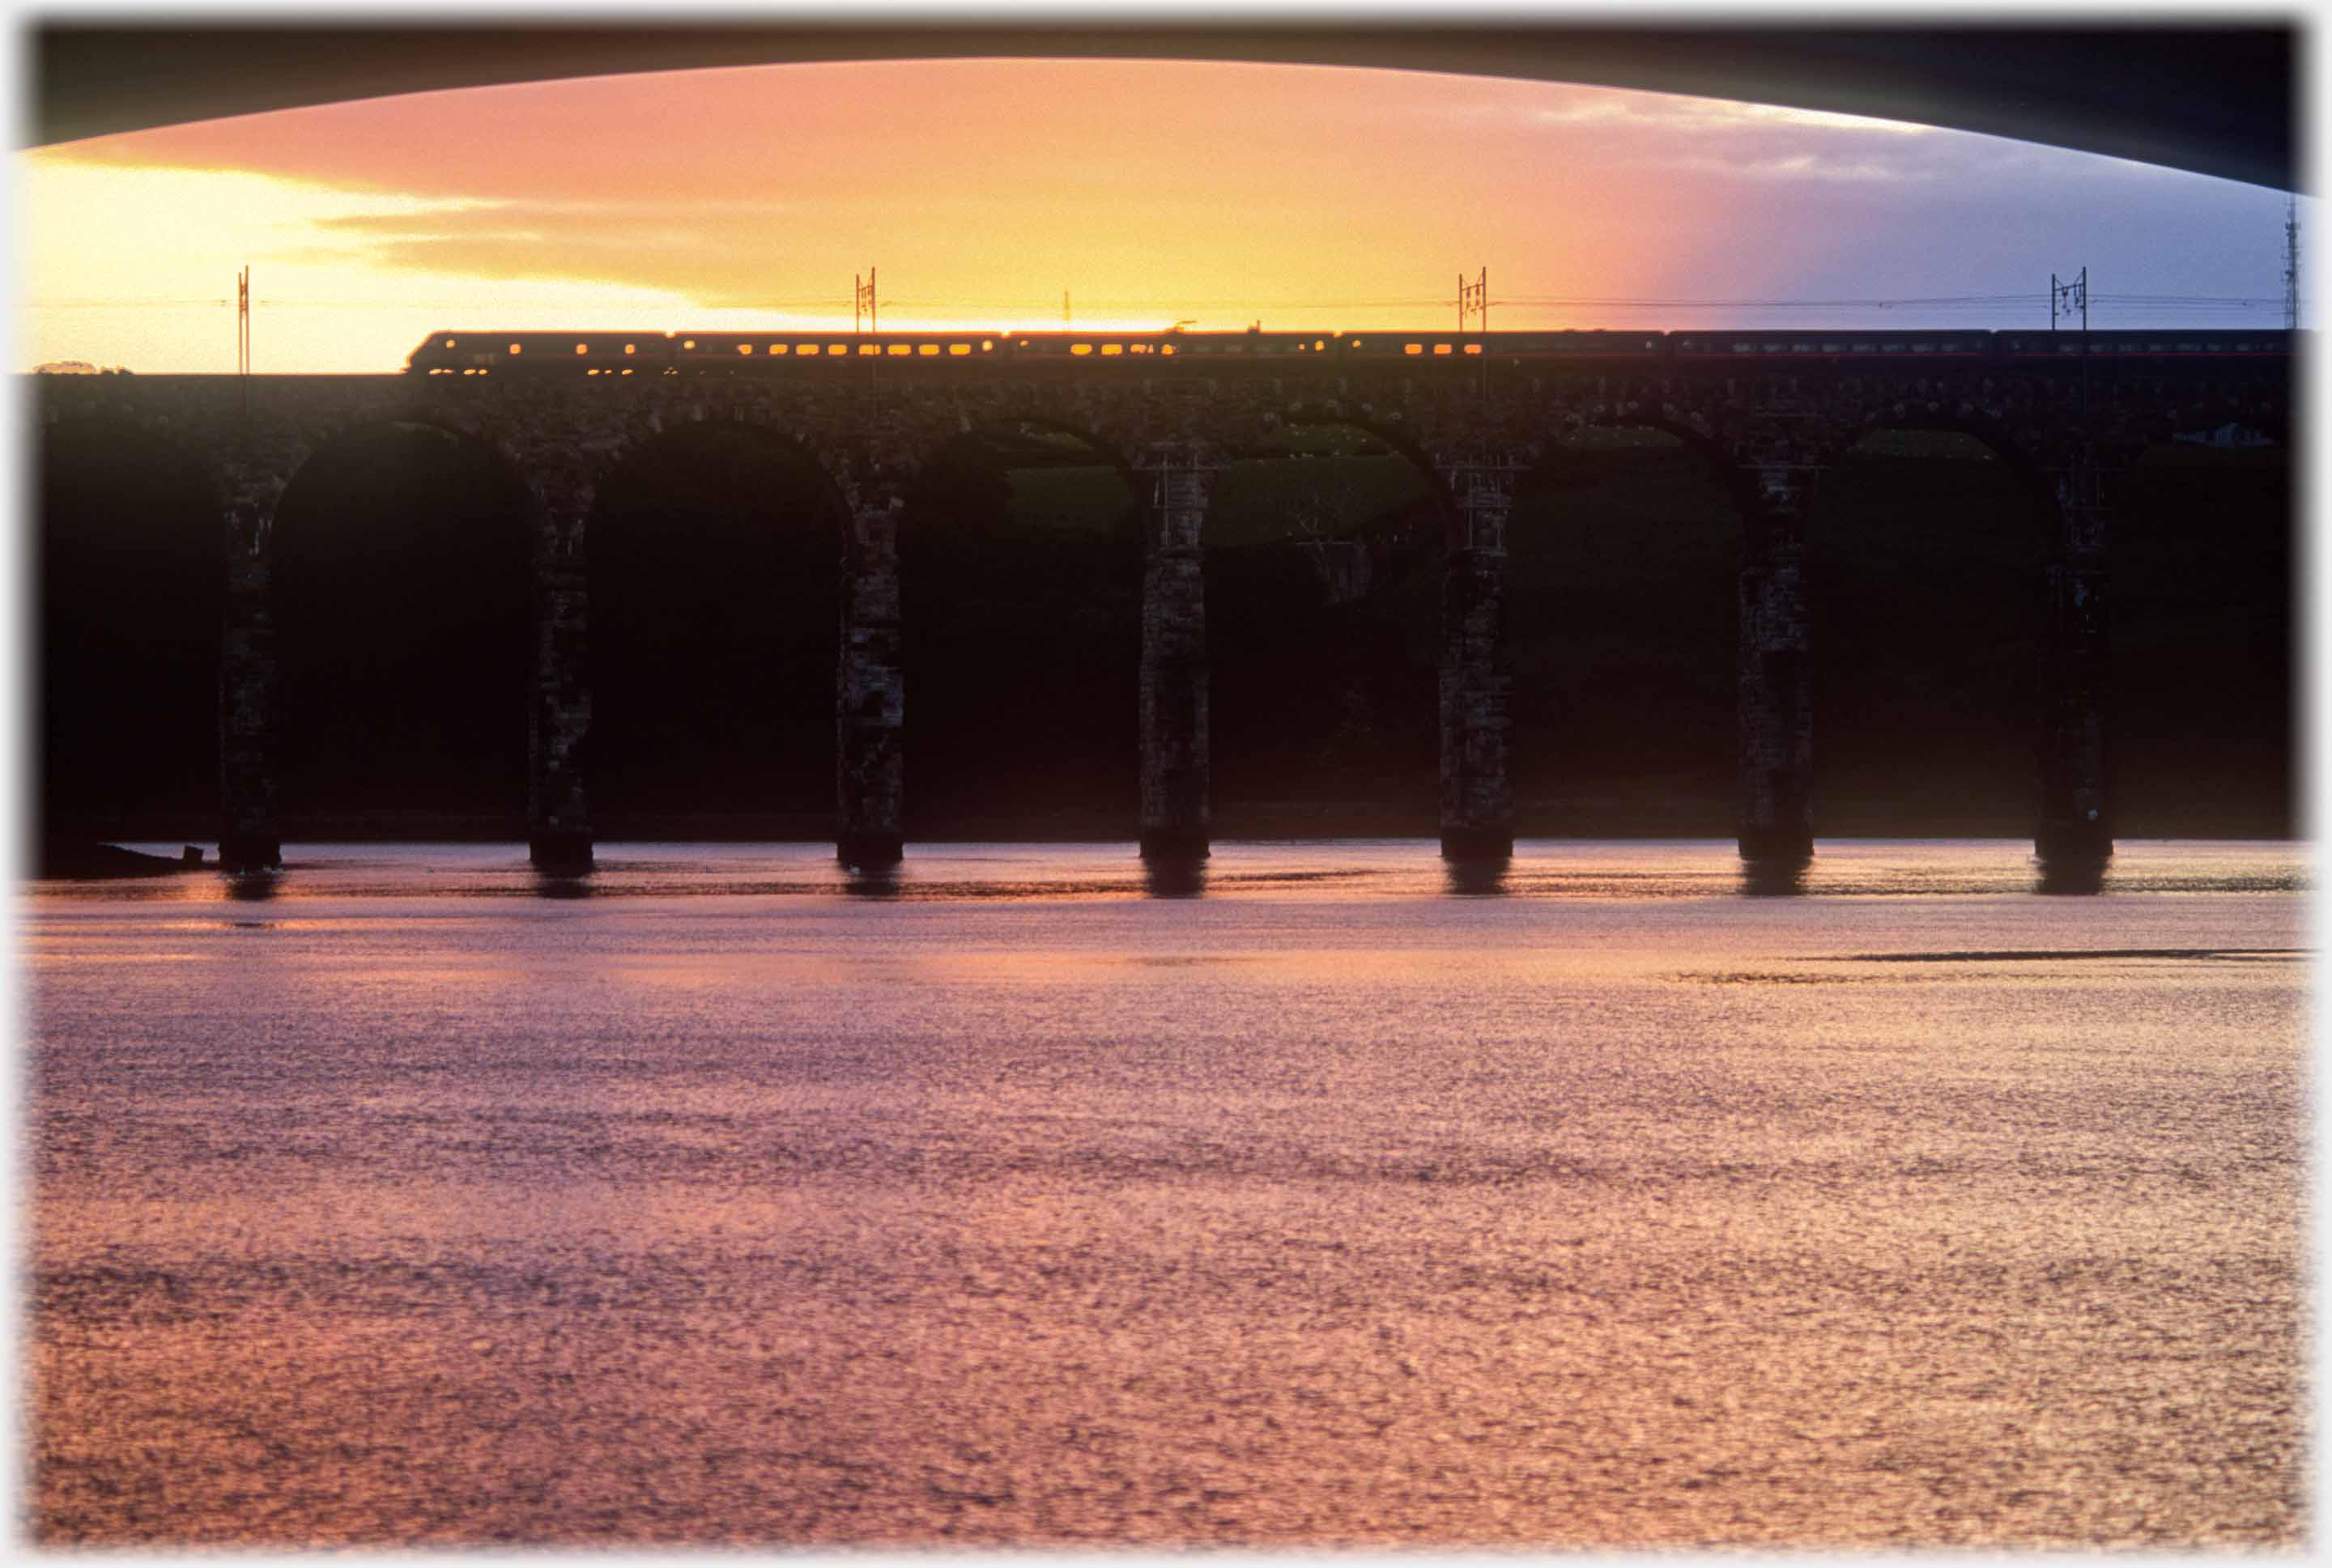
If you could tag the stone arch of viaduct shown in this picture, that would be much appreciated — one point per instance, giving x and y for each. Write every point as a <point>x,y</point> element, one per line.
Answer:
<point>1768,431</point>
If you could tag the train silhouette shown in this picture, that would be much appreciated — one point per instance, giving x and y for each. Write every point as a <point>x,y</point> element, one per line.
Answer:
<point>464,352</point>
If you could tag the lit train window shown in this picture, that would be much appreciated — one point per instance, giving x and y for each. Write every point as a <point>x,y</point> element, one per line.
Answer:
<point>834,348</point>
<point>896,350</point>
<point>1166,348</point>
<point>744,348</point>
<point>986,343</point>
<point>517,348</point>
<point>1441,348</point>
<point>1081,349</point>
<point>627,370</point>
<point>449,342</point>
<point>1413,349</point>
<point>1317,344</point>
<point>780,349</point>
<point>957,348</point>
<point>870,348</point>
<point>1356,343</point>
<point>690,344</point>
<point>591,373</point>
<point>927,348</point>
<point>1473,349</point>
<point>628,349</point>
<point>1110,349</point>
<point>582,349</point>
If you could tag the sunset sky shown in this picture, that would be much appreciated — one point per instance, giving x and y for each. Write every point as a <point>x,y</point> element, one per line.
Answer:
<point>1151,191</point>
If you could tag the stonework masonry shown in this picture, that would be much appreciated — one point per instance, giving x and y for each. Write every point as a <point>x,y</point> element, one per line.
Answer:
<point>1174,759</point>
<point>2075,823</point>
<point>1775,666</point>
<point>870,700</point>
<point>248,696</point>
<point>1478,792</point>
<point>561,435</point>
<point>559,724</point>
<point>1475,689</point>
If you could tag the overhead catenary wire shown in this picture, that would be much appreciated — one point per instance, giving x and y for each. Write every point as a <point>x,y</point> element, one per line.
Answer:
<point>2114,304</point>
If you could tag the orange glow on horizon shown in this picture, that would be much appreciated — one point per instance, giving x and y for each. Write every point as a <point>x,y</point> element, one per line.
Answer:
<point>1152,193</point>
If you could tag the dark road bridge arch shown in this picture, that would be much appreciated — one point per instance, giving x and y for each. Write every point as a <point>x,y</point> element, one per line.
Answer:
<point>2213,99</point>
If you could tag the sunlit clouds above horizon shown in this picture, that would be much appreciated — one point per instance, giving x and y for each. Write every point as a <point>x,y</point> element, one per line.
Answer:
<point>1151,192</point>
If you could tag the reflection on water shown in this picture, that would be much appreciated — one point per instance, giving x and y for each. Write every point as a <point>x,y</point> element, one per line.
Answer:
<point>2063,874</point>
<point>881,881</point>
<point>1002,1199</point>
<point>1476,878</point>
<point>949,873</point>
<point>254,886</point>
<point>570,882</point>
<point>1174,879</point>
<point>1774,876</point>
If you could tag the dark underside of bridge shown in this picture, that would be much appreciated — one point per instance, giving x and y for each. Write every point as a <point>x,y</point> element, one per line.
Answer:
<point>2215,99</point>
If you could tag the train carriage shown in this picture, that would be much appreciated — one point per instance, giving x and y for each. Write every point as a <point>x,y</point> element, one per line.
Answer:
<point>619,353</point>
<point>1835,345</point>
<point>2147,342</point>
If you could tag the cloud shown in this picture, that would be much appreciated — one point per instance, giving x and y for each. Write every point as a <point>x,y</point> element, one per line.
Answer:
<point>1006,181</point>
<point>1692,116</point>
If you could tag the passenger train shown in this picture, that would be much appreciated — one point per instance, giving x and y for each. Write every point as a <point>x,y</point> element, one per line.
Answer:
<point>462,352</point>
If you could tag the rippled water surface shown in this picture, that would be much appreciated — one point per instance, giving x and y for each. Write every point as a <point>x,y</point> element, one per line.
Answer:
<point>1021,1199</point>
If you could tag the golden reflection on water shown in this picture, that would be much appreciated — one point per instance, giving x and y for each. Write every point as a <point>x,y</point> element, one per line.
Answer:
<point>1325,1209</point>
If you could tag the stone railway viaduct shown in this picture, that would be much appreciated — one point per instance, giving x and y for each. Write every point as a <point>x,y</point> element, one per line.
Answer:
<point>1769,427</point>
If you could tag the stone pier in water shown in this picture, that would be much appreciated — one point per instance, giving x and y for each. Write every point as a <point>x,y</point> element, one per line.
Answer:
<point>1775,685</point>
<point>1477,787</point>
<point>558,721</point>
<point>2074,824</point>
<point>1174,760</point>
<point>248,833</point>
<point>870,702</point>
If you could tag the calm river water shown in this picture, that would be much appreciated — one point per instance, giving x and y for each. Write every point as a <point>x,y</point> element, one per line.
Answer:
<point>1010,1203</point>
